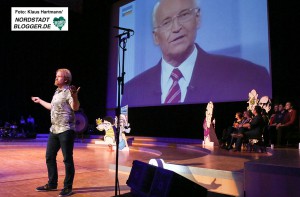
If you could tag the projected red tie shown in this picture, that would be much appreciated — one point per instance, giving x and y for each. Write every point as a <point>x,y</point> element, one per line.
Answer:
<point>174,94</point>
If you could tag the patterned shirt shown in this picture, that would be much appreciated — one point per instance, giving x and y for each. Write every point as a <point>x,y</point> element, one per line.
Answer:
<point>62,115</point>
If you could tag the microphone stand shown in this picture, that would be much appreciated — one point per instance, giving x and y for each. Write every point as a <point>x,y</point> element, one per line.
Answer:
<point>122,44</point>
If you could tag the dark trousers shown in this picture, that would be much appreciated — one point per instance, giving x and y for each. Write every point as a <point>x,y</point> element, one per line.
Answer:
<point>227,135</point>
<point>271,133</point>
<point>230,140</point>
<point>284,134</point>
<point>247,134</point>
<point>65,141</point>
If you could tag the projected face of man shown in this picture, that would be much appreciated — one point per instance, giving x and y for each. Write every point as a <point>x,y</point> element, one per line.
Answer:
<point>176,39</point>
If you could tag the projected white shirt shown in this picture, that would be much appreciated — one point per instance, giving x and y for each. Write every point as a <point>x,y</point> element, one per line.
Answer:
<point>186,69</point>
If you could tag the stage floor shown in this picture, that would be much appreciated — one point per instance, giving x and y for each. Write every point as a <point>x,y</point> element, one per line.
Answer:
<point>23,166</point>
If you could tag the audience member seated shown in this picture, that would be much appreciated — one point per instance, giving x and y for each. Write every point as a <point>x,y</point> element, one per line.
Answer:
<point>226,137</point>
<point>288,126</point>
<point>275,111</point>
<point>275,119</point>
<point>256,127</point>
<point>239,128</point>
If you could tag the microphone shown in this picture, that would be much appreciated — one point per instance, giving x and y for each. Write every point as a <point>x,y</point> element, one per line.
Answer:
<point>124,29</point>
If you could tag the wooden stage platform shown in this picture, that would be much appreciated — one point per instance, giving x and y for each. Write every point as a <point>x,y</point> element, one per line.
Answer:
<point>223,173</point>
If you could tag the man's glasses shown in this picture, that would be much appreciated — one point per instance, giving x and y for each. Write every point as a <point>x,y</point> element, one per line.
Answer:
<point>182,17</point>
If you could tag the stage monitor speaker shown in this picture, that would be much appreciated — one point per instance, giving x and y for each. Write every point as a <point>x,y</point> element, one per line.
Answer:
<point>152,181</point>
<point>140,178</point>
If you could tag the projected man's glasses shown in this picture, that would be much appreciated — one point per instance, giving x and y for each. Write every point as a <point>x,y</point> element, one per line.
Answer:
<point>182,17</point>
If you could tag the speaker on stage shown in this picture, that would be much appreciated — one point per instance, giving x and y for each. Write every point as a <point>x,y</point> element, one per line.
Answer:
<point>140,178</point>
<point>152,181</point>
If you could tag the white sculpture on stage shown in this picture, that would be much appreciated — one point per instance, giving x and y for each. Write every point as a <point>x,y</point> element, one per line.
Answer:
<point>210,138</point>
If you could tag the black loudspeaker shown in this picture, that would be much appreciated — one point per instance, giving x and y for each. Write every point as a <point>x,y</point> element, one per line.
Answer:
<point>152,181</point>
<point>140,178</point>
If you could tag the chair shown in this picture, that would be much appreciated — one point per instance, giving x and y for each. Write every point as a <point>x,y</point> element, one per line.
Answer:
<point>257,144</point>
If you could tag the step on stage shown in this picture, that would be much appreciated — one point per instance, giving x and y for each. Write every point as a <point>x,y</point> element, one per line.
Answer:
<point>221,172</point>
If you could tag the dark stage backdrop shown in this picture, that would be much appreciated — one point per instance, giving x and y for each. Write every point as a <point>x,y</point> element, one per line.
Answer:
<point>29,61</point>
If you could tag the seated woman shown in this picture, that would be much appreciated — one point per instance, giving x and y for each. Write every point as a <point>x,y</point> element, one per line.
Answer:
<point>241,128</point>
<point>226,138</point>
<point>255,128</point>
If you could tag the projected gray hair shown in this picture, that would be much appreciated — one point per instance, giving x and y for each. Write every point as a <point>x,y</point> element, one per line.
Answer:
<point>195,2</point>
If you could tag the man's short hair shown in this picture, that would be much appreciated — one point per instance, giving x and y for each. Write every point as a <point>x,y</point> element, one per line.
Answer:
<point>258,109</point>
